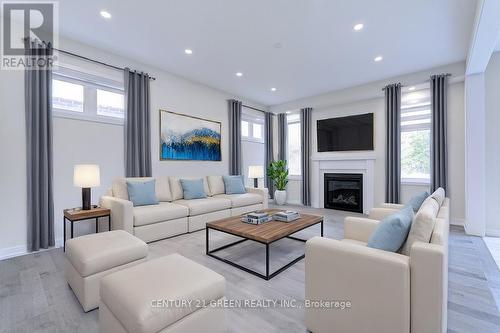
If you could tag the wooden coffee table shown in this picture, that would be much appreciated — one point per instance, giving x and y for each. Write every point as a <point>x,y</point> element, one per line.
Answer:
<point>266,234</point>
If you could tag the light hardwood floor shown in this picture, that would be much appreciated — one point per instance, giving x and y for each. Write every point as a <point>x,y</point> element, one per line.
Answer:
<point>34,296</point>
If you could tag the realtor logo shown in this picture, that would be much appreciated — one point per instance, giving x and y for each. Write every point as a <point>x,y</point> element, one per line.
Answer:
<point>34,20</point>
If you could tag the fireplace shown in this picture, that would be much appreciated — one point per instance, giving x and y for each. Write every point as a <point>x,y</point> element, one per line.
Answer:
<point>344,191</point>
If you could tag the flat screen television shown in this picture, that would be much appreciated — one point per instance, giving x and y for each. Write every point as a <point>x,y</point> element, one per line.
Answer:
<point>345,133</point>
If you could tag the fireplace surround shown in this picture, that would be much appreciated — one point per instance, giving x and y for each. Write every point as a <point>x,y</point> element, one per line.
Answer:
<point>343,191</point>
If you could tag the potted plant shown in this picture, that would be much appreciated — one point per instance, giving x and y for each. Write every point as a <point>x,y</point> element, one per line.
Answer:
<point>278,173</point>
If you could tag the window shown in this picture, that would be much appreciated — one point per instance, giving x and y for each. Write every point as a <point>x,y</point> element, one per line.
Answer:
<point>67,96</point>
<point>252,127</point>
<point>415,137</point>
<point>85,96</point>
<point>294,155</point>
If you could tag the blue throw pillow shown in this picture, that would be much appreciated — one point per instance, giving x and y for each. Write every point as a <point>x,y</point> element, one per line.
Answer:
<point>142,193</point>
<point>234,185</point>
<point>392,231</point>
<point>193,189</point>
<point>416,201</point>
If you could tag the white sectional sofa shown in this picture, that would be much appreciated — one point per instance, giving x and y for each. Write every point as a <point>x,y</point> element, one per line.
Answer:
<point>174,215</point>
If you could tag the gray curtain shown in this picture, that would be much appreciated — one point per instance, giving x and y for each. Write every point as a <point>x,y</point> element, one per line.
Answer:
<point>234,108</point>
<point>137,124</point>
<point>439,147</point>
<point>269,155</point>
<point>393,137</point>
<point>305,133</point>
<point>39,164</point>
<point>282,129</point>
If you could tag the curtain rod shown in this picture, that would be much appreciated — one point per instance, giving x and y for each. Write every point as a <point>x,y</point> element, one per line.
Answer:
<point>251,107</point>
<point>428,80</point>
<point>91,60</point>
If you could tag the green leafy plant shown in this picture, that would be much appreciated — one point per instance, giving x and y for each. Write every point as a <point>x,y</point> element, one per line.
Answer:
<point>278,172</point>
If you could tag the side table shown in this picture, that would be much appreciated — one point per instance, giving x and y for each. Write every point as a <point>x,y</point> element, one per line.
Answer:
<point>74,215</point>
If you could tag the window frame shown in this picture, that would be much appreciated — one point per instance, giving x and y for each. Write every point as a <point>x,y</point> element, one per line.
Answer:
<point>414,128</point>
<point>89,98</point>
<point>288,123</point>
<point>251,120</point>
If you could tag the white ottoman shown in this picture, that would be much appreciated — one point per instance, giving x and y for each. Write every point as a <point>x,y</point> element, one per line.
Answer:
<point>137,299</point>
<point>94,256</point>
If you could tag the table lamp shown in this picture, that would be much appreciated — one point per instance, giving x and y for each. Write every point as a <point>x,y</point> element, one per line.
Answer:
<point>86,176</point>
<point>256,172</point>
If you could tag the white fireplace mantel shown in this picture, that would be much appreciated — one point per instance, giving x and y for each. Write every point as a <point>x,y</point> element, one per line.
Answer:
<point>362,163</point>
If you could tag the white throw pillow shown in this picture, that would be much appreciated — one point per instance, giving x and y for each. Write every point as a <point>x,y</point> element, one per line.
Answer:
<point>216,184</point>
<point>176,186</point>
<point>163,189</point>
<point>423,224</point>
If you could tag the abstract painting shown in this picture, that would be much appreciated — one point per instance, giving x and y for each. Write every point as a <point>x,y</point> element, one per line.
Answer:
<point>189,138</point>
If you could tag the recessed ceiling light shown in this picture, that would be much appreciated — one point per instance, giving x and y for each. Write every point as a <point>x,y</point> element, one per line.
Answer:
<point>188,51</point>
<point>358,27</point>
<point>273,89</point>
<point>239,74</point>
<point>288,112</point>
<point>378,58</point>
<point>105,14</point>
<point>411,88</point>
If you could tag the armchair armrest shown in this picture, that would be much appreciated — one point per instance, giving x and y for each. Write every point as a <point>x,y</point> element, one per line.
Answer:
<point>264,192</point>
<point>359,228</point>
<point>380,213</point>
<point>122,214</point>
<point>392,205</point>
<point>375,282</point>
<point>429,287</point>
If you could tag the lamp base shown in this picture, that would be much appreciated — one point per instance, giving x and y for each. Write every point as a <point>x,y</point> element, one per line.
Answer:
<point>86,198</point>
<point>256,182</point>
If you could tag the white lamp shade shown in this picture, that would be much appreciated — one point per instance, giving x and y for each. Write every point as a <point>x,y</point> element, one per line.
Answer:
<point>86,175</point>
<point>255,171</point>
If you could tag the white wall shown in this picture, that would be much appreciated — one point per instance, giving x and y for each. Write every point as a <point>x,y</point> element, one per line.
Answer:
<point>77,141</point>
<point>492,141</point>
<point>369,98</point>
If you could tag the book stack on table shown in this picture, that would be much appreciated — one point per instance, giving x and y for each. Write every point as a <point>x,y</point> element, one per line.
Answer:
<point>286,216</point>
<point>256,218</point>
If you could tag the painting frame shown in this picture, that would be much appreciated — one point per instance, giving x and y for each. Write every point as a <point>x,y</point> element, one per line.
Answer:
<point>200,119</point>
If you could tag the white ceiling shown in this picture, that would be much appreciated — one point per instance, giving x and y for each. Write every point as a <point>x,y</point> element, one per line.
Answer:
<point>319,51</point>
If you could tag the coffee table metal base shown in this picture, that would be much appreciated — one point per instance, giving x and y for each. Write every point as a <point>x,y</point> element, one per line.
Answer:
<point>268,275</point>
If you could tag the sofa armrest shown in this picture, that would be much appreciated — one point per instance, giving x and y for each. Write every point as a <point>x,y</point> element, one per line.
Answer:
<point>359,228</point>
<point>264,192</point>
<point>375,282</point>
<point>392,205</point>
<point>380,213</point>
<point>429,287</point>
<point>122,214</point>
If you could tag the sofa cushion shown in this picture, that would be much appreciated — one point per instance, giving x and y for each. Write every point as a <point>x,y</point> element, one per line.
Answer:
<point>131,294</point>
<point>392,231</point>
<point>176,186</point>
<point>216,185</point>
<point>142,193</point>
<point>96,253</point>
<point>162,187</point>
<point>353,241</point>
<point>202,206</point>
<point>193,189</point>
<point>234,184</point>
<point>164,211</point>
<point>439,195</point>
<point>240,200</point>
<point>423,224</point>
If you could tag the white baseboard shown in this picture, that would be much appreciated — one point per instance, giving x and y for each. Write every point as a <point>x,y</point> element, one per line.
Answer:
<point>21,250</point>
<point>493,232</point>
<point>457,221</point>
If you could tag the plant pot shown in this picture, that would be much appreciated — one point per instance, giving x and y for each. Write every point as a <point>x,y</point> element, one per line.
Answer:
<point>280,197</point>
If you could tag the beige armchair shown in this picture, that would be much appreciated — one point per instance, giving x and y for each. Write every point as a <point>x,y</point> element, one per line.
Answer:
<point>388,292</point>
